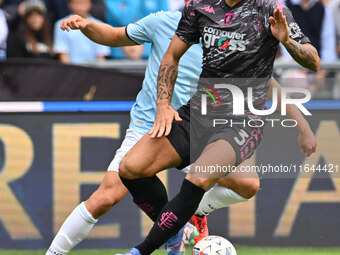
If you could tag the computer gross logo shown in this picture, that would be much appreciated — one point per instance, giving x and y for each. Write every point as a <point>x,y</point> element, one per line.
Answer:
<point>224,40</point>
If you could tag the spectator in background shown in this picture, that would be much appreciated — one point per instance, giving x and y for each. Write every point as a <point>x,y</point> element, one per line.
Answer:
<point>335,6</point>
<point>56,9</point>
<point>98,10</point>
<point>11,6</point>
<point>33,39</point>
<point>3,34</point>
<point>120,13</point>
<point>74,47</point>
<point>152,6</point>
<point>316,21</point>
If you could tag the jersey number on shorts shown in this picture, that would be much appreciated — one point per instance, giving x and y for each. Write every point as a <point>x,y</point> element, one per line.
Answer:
<point>242,137</point>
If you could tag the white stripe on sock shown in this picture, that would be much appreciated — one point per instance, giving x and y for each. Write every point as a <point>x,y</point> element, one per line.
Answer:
<point>86,214</point>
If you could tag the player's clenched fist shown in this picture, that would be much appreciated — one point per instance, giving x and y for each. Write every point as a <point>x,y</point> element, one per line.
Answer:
<point>73,22</point>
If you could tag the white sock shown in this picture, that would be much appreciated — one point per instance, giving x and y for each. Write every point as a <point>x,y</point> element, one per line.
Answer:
<point>218,197</point>
<point>73,231</point>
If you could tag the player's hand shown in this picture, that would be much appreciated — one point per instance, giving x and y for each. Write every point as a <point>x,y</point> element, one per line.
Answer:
<point>73,22</point>
<point>307,142</point>
<point>163,122</point>
<point>279,26</point>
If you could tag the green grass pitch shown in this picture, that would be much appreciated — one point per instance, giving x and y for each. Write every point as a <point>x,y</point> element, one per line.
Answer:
<point>241,250</point>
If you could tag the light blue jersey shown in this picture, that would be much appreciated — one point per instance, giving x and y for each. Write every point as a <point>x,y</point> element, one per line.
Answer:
<point>159,29</point>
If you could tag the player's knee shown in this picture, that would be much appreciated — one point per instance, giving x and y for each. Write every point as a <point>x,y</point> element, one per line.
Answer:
<point>102,202</point>
<point>126,168</point>
<point>251,188</point>
<point>129,169</point>
<point>203,183</point>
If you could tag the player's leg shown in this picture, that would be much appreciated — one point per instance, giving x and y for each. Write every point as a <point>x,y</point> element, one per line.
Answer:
<point>138,171</point>
<point>147,158</point>
<point>235,188</point>
<point>226,149</point>
<point>110,192</point>
<point>180,209</point>
<point>82,219</point>
<point>230,190</point>
<point>152,155</point>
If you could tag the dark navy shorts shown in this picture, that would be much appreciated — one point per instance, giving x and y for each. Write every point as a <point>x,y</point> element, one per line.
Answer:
<point>190,136</point>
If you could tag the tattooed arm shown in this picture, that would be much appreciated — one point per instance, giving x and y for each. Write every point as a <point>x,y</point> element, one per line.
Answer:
<point>166,80</point>
<point>305,54</point>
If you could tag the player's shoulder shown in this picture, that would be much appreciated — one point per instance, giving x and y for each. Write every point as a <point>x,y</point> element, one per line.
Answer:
<point>205,7</point>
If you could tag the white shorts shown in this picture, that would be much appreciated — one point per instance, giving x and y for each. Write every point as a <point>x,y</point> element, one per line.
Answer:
<point>132,136</point>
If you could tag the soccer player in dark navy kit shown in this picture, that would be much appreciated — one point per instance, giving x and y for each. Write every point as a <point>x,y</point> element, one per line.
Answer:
<point>240,39</point>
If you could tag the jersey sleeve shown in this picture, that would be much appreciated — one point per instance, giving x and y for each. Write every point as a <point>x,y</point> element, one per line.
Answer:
<point>142,31</point>
<point>295,32</point>
<point>188,29</point>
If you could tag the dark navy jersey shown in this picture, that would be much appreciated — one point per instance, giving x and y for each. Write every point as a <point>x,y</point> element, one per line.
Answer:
<point>237,41</point>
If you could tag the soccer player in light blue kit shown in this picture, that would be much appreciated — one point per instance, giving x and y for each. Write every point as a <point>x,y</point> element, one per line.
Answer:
<point>158,29</point>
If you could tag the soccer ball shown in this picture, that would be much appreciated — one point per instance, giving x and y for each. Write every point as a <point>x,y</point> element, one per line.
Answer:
<point>214,245</point>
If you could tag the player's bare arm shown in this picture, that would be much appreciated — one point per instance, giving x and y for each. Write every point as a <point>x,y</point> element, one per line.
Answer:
<point>305,54</point>
<point>98,32</point>
<point>306,139</point>
<point>165,86</point>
